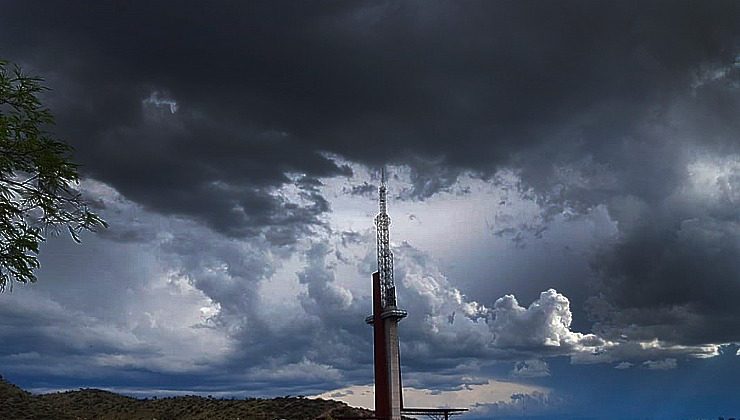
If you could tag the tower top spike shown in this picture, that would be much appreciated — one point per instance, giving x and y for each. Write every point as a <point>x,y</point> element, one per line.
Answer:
<point>382,196</point>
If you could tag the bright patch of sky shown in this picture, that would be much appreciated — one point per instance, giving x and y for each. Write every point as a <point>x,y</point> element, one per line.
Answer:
<point>471,396</point>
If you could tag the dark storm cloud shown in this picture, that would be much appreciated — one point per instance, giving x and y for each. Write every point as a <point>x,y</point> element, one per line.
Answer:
<point>675,279</point>
<point>463,84</point>
<point>670,183</point>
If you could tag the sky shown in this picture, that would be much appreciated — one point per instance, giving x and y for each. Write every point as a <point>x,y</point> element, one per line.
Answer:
<point>564,182</point>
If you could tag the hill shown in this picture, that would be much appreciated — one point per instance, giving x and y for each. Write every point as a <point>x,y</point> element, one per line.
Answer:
<point>88,404</point>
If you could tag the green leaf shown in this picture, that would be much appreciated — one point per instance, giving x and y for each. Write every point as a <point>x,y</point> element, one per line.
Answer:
<point>37,179</point>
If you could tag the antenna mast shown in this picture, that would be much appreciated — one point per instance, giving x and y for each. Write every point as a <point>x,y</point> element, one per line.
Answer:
<point>385,256</point>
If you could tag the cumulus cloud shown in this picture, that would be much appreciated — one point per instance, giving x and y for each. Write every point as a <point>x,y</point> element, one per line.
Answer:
<point>323,293</point>
<point>531,369</point>
<point>545,324</point>
<point>456,325</point>
<point>91,325</point>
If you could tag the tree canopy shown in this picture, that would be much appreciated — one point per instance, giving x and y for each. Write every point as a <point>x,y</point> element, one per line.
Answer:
<point>37,179</point>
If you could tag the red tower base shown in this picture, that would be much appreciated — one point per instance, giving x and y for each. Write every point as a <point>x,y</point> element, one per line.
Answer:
<point>388,392</point>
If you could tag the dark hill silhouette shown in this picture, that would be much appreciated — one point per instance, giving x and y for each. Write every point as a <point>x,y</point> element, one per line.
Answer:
<point>89,404</point>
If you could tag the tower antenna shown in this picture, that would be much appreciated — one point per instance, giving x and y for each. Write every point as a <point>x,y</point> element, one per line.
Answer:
<point>385,256</point>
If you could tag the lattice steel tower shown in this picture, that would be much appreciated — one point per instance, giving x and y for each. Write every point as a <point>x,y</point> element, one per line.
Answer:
<point>385,256</point>
<point>385,317</point>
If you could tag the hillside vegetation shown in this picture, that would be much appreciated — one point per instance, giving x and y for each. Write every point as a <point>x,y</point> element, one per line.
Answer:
<point>89,404</point>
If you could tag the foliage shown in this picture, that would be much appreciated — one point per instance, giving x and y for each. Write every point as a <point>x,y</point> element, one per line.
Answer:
<point>37,179</point>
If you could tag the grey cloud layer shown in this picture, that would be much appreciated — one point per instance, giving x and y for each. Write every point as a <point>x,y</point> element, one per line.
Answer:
<point>273,320</point>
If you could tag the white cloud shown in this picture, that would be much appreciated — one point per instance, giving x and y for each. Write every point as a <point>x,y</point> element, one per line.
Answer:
<point>304,370</point>
<point>710,73</point>
<point>665,364</point>
<point>534,368</point>
<point>544,325</point>
<point>158,100</point>
<point>638,351</point>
